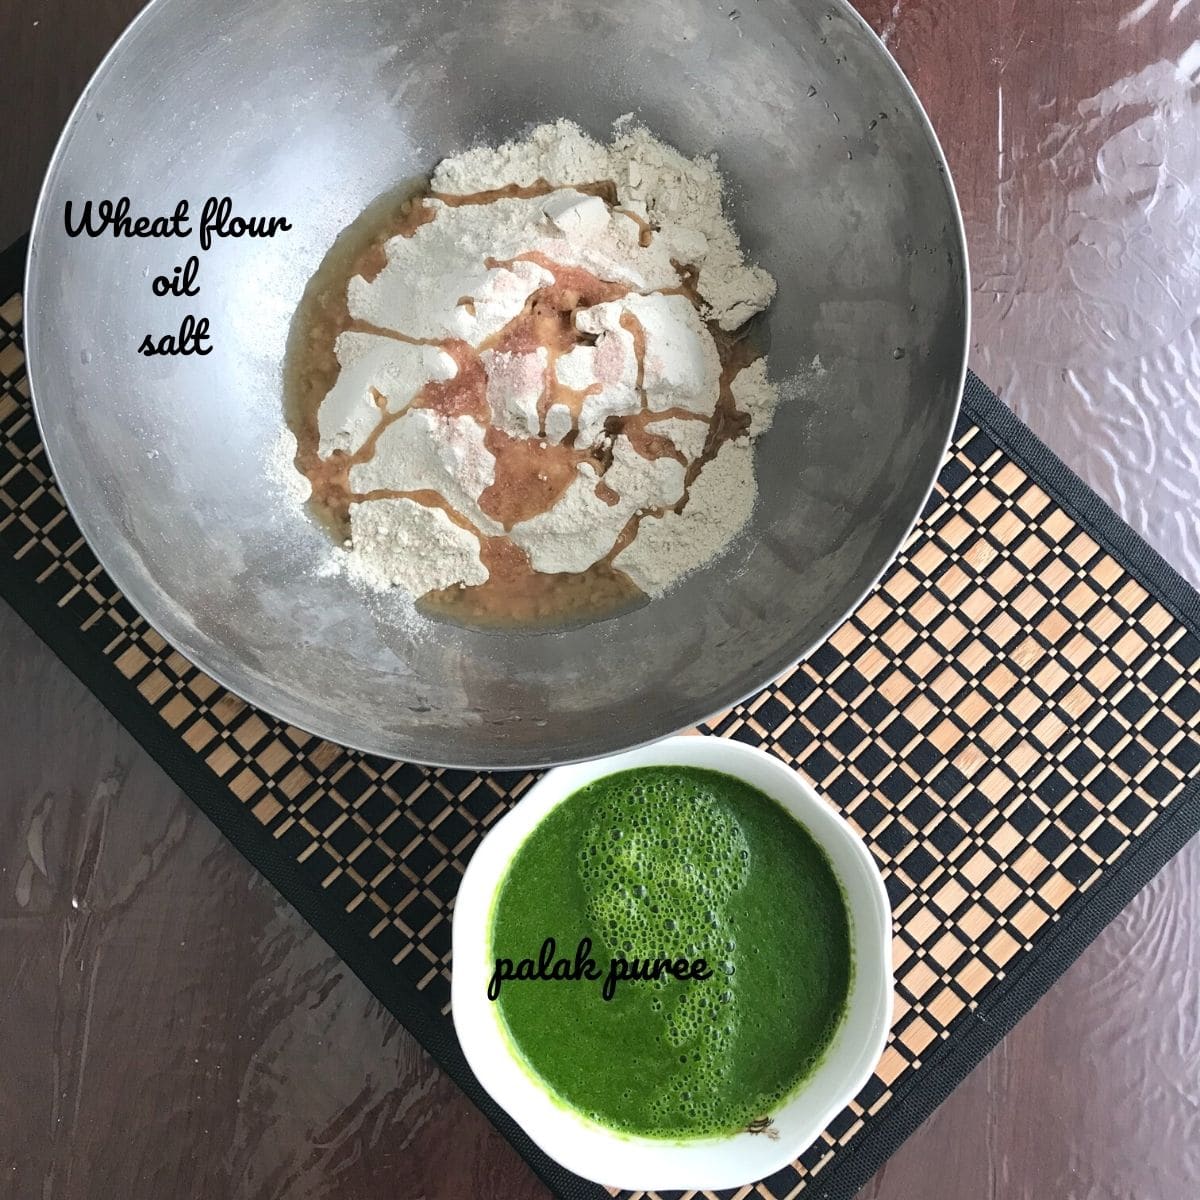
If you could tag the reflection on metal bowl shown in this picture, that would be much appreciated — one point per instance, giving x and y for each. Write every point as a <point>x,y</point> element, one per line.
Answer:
<point>311,108</point>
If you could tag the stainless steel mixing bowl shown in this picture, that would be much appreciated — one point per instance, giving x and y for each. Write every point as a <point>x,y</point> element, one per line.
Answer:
<point>310,109</point>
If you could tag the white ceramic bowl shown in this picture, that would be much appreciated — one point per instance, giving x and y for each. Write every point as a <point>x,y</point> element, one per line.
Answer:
<point>634,1163</point>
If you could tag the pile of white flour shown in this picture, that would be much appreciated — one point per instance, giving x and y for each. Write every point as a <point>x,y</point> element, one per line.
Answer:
<point>468,272</point>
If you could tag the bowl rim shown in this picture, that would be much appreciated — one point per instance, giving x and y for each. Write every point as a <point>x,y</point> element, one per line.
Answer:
<point>623,1161</point>
<point>282,706</point>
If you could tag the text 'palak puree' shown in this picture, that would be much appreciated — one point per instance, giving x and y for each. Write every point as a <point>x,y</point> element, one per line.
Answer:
<point>673,862</point>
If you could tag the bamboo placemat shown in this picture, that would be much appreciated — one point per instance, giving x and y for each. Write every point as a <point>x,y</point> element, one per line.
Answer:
<point>1010,720</point>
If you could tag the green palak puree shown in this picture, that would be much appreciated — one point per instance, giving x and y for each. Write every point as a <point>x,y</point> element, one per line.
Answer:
<point>675,862</point>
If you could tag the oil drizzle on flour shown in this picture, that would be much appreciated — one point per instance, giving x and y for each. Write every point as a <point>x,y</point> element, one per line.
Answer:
<point>531,474</point>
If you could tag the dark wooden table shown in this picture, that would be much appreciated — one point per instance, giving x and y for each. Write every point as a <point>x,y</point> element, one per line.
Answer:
<point>170,1028</point>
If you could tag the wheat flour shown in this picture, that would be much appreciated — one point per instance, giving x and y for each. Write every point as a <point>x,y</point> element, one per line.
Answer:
<point>671,546</point>
<point>280,469</point>
<point>454,288</point>
<point>688,436</point>
<point>582,527</point>
<point>400,543</point>
<point>425,451</point>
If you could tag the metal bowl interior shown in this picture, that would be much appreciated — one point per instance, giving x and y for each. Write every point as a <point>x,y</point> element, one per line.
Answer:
<point>310,109</point>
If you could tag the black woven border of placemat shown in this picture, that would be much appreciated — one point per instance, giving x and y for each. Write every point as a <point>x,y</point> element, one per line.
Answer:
<point>1022,621</point>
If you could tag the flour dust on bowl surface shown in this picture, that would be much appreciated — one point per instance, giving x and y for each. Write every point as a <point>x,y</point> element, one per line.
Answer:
<point>835,186</point>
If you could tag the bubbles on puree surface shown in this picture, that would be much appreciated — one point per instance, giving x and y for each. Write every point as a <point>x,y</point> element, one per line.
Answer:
<point>660,864</point>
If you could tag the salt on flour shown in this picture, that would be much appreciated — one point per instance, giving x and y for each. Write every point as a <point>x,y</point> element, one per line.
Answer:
<point>426,451</point>
<point>514,386</point>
